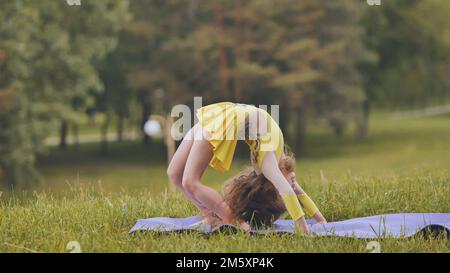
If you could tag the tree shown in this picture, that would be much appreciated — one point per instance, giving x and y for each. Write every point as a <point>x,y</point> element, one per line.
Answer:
<point>155,24</point>
<point>259,52</point>
<point>340,37</point>
<point>412,41</point>
<point>50,69</point>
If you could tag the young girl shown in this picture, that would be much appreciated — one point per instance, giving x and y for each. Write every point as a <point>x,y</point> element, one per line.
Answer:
<point>258,196</point>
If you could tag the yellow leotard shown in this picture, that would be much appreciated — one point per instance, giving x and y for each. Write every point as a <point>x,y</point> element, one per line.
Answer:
<point>222,121</point>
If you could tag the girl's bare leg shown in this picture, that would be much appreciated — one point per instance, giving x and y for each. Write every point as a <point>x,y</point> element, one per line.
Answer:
<point>196,164</point>
<point>177,166</point>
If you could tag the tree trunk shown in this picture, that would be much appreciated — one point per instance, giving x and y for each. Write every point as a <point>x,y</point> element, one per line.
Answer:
<point>362,125</point>
<point>104,133</point>
<point>76,135</point>
<point>300,124</point>
<point>223,62</point>
<point>338,130</point>
<point>338,124</point>
<point>146,111</point>
<point>120,128</point>
<point>242,32</point>
<point>237,51</point>
<point>63,134</point>
<point>91,119</point>
<point>284,119</point>
<point>193,6</point>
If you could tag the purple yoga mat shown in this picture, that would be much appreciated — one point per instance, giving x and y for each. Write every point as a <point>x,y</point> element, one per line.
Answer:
<point>379,226</point>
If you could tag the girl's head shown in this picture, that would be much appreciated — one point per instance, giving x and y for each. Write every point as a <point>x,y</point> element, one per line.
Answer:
<point>253,198</point>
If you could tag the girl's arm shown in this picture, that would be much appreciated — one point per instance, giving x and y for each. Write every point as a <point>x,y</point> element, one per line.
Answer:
<point>308,204</point>
<point>273,173</point>
<point>311,208</point>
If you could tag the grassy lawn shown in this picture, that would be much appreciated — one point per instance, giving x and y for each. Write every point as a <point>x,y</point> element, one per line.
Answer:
<point>94,198</point>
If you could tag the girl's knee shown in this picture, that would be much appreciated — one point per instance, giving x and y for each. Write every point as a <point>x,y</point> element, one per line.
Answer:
<point>190,184</point>
<point>174,175</point>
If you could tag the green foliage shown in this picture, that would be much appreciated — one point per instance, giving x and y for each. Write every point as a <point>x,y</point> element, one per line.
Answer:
<point>303,55</point>
<point>413,44</point>
<point>50,49</point>
<point>319,60</point>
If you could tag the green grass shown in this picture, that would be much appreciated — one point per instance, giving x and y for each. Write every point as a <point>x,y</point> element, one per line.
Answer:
<point>100,221</point>
<point>95,199</point>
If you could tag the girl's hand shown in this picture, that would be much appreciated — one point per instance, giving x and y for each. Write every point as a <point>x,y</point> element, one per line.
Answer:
<point>213,220</point>
<point>302,226</point>
<point>319,218</point>
<point>290,177</point>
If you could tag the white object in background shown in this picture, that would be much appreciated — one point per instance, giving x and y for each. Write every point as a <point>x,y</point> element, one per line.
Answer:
<point>152,128</point>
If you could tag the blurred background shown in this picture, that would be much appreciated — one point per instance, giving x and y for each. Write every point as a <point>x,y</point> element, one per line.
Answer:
<point>362,89</point>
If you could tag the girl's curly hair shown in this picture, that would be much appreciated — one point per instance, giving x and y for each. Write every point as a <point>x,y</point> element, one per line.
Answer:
<point>253,198</point>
